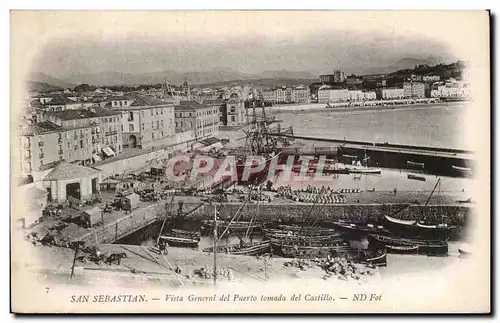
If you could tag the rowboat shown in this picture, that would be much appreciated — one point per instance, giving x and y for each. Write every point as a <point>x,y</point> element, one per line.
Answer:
<point>414,228</point>
<point>416,177</point>
<point>415,164</point>
<point>364,171</point>
<point>247,249</point>
<point>358,229</point>
<point>306,250</point>
<point>376,257</point>
<point>309,230</point>
<point>429,247</point>
<point>402,249</point>
<point>238,226</point>
<point>179,241</point>
<point>461,169</point>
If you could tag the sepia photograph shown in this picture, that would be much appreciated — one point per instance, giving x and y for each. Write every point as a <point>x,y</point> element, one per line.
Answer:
<point>250,161</point>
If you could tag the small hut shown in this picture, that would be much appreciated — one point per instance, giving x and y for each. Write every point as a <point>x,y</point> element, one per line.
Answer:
<point>92,217</point>
<point>157,168</point>
<point>130,201</point>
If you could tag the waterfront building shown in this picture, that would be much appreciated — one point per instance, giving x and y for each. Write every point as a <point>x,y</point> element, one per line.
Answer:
<point>356,95</point>
<point>390,93</point>
<point>236,114</point>
<point>300,94</point>
<point>71,182</point>
<point>146,123</point>
<point>198,120</point>
<point>451,89</point>
<point>369,95</point>
<point>268,96</point>
<point>79,136</point>
<point>60,102</point>
<point>326,95</point>
<point>413,90</point>
<point>282,95</point>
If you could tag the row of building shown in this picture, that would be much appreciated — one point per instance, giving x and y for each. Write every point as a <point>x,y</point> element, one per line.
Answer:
<point>299,94</point>
<point>86,131</point>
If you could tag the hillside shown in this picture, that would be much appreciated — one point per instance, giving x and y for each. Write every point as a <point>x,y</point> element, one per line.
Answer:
<point>37,77</point>
<point>34,86</point>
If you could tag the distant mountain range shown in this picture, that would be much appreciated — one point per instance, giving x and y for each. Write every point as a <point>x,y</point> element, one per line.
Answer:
<point>215,76</point>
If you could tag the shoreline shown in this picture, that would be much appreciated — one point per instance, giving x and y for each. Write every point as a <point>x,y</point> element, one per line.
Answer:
<point>320,107</point>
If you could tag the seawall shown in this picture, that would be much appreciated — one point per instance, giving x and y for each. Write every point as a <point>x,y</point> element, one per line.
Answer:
<point>140,218</point>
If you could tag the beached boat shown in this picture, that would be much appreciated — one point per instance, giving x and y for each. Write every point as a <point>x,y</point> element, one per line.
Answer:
<point>359,229</point>
<point>245,249</point>
<point>364,171</point>
<point>306,250</point>
<point>416,177</point>
<point>179,241</point>
<point>402,249</point>
<point>415,164</point>
<point>185,234</point>
<point>309,230</point>
<point>414,228</point>
<point>465,170</point>
<point>429,247</point>
<point>236,226</point>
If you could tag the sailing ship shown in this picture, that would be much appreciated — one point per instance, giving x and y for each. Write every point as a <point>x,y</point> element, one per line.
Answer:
<point>262,141</point>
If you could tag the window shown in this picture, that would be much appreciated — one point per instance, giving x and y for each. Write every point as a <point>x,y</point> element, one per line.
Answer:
<point>122,127</point>
<point>142,126</point>
<point>153,135</point>
<point>152,124</point>
<point>28,166</point>
<point>162,123</point>
<point>131,116</point>
<point>162,133</point>
<point>161,111</point>
<point>156,111</point>
<point>130,127</point>
<point>151,111</point>
<point>81,143</point>
<point>157,124</point>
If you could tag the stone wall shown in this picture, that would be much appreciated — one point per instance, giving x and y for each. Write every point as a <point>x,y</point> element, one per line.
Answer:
<point>110,232</point>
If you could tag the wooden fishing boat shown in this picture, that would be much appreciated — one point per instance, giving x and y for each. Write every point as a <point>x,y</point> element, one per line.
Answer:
<point>415,164</point>
<point>196,235</point>
<point>306,250</point>
<point>364,171</point>
<point>236,226</point>
<point>179,241</point>
<point>461,169</point>
<point>359,229</point>
<point>414,228</point>
<point>416,177</point>
<point>246,249</point>
<point>429,247</point>
<point>307,230</point>
<point>402,249</point>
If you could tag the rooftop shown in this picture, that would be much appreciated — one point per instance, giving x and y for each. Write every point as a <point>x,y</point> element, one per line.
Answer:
<point>66,171</point>
<point>190,105</point>
<point>60,99</point>
<point>39,128</point>
<point>94,112</point>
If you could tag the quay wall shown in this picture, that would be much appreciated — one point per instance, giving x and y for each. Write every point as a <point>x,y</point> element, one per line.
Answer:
<point>140,218</point>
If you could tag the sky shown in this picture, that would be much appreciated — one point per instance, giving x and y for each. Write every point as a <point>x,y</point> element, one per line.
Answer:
<point>249,42</point>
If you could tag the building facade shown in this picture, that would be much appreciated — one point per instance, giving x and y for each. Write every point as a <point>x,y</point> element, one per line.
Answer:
<point>413,90</point>
<point>300,95</point>
<point>326,95</point>
<point>146,123</point>
<point>81,136</point>
<point>336,77</point>
<point>390,93</point>
<point>202,119</point>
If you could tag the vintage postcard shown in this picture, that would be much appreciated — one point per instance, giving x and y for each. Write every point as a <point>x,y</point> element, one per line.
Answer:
<point>250,162</point>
